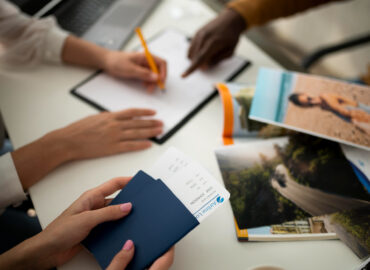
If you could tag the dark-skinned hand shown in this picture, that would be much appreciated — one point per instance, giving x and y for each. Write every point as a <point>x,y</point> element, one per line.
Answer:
<point>215,41</point>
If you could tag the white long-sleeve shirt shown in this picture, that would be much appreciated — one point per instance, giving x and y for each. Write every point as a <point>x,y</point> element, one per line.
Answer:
<point>26,40</point>
<point>11,191</point>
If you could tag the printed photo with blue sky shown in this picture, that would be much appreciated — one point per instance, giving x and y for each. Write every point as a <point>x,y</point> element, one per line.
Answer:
<point>329,108</point>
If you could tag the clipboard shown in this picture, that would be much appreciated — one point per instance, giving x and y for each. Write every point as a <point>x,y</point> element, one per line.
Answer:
<point>118,89</point>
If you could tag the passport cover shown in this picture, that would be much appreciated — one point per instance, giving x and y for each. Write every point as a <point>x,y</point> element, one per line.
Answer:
<point>157,221</point>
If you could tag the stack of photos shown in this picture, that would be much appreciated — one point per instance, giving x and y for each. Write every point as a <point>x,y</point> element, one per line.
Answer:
<point>288,176</point>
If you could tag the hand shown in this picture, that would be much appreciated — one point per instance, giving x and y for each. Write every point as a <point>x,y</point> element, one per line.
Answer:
<point>135,66</point>
<point>64,234</point>
<point>359,116</point>
<point>110,133</point>
<point>94,136</point>
<point>215,41</point>
<point>83,215</point>
<point>60,240</point>
<point>121,64</point>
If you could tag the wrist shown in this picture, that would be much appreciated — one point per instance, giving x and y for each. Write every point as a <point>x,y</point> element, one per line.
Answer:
<point>35,160</point>
<point>83,53</point>
<point>234,20</point>
<point>33,253</point>
<point>58,147</point>
<point>40,253</point>
<point>107,57</point>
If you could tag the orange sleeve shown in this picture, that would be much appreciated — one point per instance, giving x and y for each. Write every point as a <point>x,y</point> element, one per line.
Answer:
<point>258,12</point>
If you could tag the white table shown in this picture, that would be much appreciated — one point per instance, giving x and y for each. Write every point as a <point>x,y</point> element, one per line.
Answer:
<point>36,101</point>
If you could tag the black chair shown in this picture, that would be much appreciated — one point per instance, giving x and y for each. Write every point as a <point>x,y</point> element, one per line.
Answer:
<point>311,59</point>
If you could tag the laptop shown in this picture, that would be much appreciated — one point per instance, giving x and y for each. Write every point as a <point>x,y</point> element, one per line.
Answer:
<point>108,23</point>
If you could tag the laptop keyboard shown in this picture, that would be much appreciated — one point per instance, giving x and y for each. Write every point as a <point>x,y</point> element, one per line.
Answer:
<point>77,16</point>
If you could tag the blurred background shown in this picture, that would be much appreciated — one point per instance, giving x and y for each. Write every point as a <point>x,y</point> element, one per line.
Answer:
<point>290,40</point>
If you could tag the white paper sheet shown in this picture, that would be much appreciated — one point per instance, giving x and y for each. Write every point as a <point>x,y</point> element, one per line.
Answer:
<point>193,185</point>
<point>181,97</point>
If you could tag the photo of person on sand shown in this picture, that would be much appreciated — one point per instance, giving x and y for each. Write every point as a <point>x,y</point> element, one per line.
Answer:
<point>345,108</point>
<point>328,108</point>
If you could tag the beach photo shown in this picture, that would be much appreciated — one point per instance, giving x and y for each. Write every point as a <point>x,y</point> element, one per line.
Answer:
<point>323,107</point>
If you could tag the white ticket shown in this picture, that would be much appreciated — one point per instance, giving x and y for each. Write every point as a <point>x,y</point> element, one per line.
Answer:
<point>196,188</point>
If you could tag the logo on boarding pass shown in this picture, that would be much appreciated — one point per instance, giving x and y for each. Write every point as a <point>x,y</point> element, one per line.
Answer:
<point>220,199</point>
<point>209,206</point>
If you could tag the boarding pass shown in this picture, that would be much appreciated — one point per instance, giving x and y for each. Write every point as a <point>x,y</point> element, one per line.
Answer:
<point>196,188</point>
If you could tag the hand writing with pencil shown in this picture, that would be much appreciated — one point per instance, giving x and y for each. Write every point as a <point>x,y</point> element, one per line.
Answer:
<point>129,65</point>
<point>150,59</point>
<point>134,65</point>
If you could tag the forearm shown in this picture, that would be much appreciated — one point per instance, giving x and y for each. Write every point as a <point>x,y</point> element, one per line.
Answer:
<point>37,159</point>
<point>338,108</point>
<point>31,254</point>
<point>332,101</point>
<point>262,11</point>
<point>348,101</point>
<point>82,53</point>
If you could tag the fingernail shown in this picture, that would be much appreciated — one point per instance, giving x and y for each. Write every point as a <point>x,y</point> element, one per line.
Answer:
<point>128,245</point>
<point>125,207</point>
<point>153,76</point>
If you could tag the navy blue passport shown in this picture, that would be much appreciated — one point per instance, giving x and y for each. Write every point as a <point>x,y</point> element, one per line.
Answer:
<point>157,221</point>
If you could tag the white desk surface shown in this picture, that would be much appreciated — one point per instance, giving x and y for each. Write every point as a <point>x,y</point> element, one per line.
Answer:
<point>36,101</point>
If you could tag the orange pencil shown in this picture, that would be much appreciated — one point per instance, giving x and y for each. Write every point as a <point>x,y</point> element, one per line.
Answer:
<point>149,57</point>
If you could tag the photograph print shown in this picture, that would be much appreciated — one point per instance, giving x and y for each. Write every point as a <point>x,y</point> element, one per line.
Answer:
<point>285,179</point>
<point>323,107</point>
